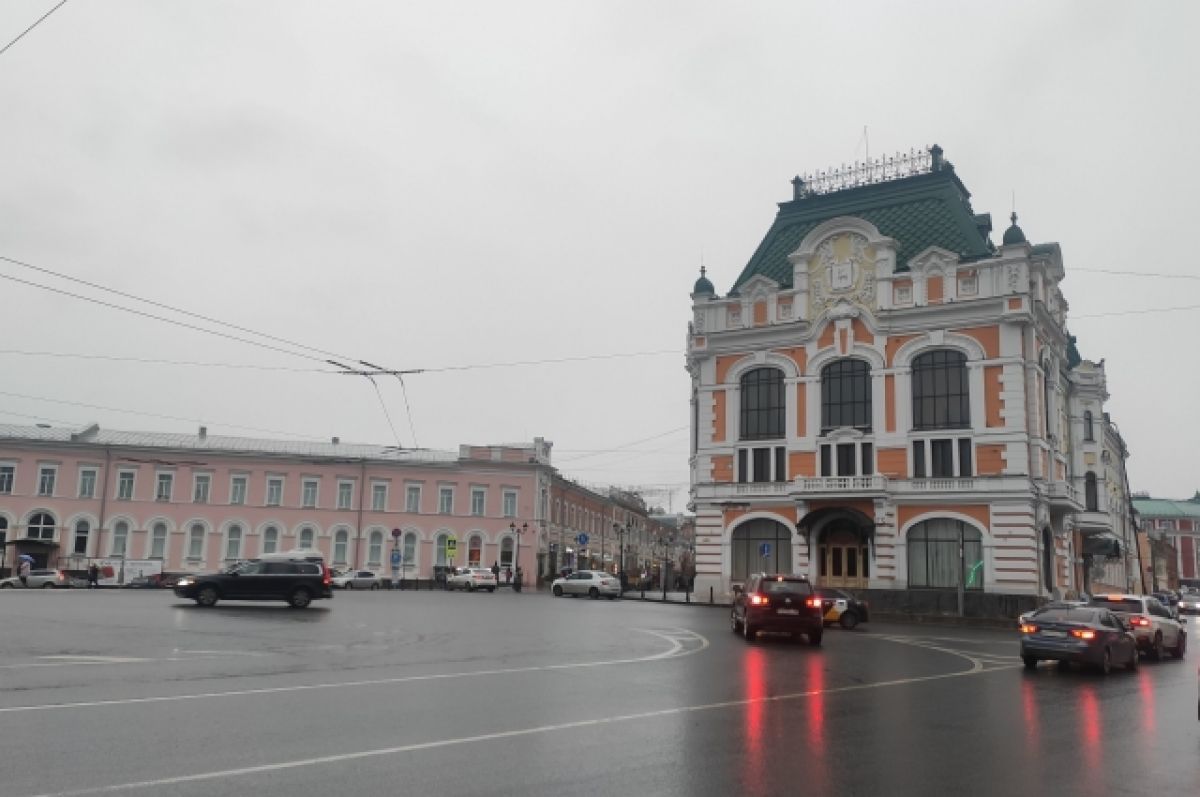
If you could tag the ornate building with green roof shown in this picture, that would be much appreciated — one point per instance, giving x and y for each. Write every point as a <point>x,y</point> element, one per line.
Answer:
<point>886,400</point>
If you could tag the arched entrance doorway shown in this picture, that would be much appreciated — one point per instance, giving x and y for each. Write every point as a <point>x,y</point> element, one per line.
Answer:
<point>760,546</point>
<point>840,546</point>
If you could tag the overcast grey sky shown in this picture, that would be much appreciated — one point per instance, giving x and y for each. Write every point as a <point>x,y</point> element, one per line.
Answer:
<point>433,184</point>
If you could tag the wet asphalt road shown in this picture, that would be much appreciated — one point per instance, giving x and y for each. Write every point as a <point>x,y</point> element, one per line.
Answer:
<point>460,694</point>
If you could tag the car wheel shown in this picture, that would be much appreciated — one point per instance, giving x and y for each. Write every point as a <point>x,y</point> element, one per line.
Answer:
<point>47,585</point>
<point>848,620</point>
<point>491,589</point>
<point>6,586</point>
<point>1156,652</point>
<point>749,631</point>
<point>1106,662</point>
<point>814,639</point>
<point>374,586</point>
<point>734,625</point>
<point>557,591</point>
<point>207,596</point>
<point>593,593</point>
<point>1180,646</point>
<point>299,599</point>
<point>1132,664</point>
<point>1031,662</point>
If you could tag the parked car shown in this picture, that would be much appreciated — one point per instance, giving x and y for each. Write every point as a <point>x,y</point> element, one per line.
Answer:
<point>1189,603</point>
<point>357,579</point>
<point>470,579</point>
<point>778,602</point>
<point>1090,636</point>
<point>40,579</point>
<point>297,579</point>
<point>1154,628</point>
<point>145,582</point>
<point>843,608</point>
<point>592,583</point>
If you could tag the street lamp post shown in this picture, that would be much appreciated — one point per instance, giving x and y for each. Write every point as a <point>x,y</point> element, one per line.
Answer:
<point>620,532</point>
<point>517,532</point>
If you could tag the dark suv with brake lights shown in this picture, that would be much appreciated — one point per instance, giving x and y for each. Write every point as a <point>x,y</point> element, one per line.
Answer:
<point>778,602</point>
<point>298,581</point>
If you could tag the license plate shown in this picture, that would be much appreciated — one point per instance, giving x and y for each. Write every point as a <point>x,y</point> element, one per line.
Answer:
<point>1054,633</point>
<point>788,611</point>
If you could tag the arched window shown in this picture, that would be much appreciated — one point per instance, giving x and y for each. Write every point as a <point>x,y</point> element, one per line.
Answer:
<point>233,543</point>
<point>747,546</point>
<point>158,541</point>
<point>306,537</point>
<point>196,541</point>
<point>341,541</point>
<point>83,531</point>
<point>506,552</point>
<point>410,550</point>
<point>270,542</point>
<point>1091,496</point>
<point>1089,430</point>
<point>940,392</point>
<point>762,404</point>
<point>120,540</point>
<point>942,553</point>
<point>375,548</point>
<point>440,557</point>
<point>846,395</point>
<point>474,550</point>
<point>40,527</point>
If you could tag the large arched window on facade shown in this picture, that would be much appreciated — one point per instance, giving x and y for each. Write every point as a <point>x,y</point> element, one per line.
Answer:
<point>1089,427</point>
<point>748,543</point>
<point>375,548</point>
<point>940,391</point>
<point>410,550</point>
<point>307,536</point>
<point>40,527</point>
<point>506,552</point>
<point>441,549</point>
<point>233,542</point>
<point>474,550</point>
<point>762,404</point>
<point>846,395</point>
<point>1091,495</point>
<point>120,540</point>
<point>341,541</point>
<point>83,531</point>
<point>196,542</point>
<point>270,540</point>
<point>158,541</point>
<point>942,553</point>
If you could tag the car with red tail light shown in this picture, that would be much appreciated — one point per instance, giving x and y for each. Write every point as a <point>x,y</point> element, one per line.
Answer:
<point>1156,631</point>
<point>1088,636</point>
<point>778,602</point>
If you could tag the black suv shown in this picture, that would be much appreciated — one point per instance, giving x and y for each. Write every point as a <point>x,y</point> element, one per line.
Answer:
<point>299,581</point>
<point>778,602</point>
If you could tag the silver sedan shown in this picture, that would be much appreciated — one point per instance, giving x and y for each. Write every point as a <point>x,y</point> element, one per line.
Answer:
<point>592,583</point>
<point>40,579</point>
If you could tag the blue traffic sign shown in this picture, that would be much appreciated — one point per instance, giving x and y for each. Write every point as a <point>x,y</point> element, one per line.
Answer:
<point>582,539</point>
<point>396,557</point>
<point>764,549</point>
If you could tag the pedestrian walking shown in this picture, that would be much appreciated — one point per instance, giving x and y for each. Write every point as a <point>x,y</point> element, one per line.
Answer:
<point>496,570</point>
<point>508,574</point>
<point>23,572</point>
<point>93,576</point>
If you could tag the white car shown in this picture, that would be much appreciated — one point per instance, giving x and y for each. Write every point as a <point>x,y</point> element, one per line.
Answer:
<point>356,579</point>
<point>592,583</point>
<point>470,579</point>
<point>1154,628</point>
<point>40,579</point>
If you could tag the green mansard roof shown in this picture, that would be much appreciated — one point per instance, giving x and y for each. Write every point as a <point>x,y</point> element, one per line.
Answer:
<point>932,209</point>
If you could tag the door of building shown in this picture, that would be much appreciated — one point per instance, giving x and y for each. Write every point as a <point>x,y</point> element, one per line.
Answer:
<point>843,559</point>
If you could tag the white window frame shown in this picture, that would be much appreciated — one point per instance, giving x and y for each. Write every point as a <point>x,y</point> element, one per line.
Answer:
<point>121,482</point>
<point>201,479</point>
<point>189,556</point>
<point>229,540</point>
<point>236,480</point>
<point>345,558</point>
<point>510,503</point>
<point>151,540</point>
<point>159,478</point>
<point>443,492</point>
<point>112,543</point>
<point>315,486</point>
<point>300,536</point>
<point>412,506</point>
<point>83,473</point>
<point>375,548</point>
<point>276,483</point>
<point>345,489</point>
<point>379,489</point>
<point>478,501</point>
<point>8,477</point>
<point>87,535</point>
<point>43,470</point>
<point>267,529</point>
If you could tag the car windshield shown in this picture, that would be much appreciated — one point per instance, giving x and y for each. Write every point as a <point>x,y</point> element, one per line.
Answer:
<point>1125,605</point>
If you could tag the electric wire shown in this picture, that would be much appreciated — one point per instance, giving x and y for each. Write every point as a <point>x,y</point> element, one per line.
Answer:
<point>386,414</point>
<point>39,21</point>
<point>622,448</point>
<point>163,361</point>
<point>408,411</point>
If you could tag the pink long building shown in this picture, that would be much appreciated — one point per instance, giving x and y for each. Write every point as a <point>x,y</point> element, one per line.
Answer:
<point>194,502</point>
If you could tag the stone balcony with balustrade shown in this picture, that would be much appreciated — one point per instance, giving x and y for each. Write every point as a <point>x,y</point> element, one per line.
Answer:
<point>877,486</point>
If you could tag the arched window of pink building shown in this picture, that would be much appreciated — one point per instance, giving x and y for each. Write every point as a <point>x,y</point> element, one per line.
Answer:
<point>120,538</point>
<point>506,552</point>
<point>375,549</point>
<point>341,541</point>
<point>441,550</point>
<point>233,543</point>
<point>40,527</point>
<point>270,542</point>
<point>196,542</point>
<point>83,531</point>
<point>474,550</point>
<point>306,537</point>
<point>410,551</point>
<point>158,541</point>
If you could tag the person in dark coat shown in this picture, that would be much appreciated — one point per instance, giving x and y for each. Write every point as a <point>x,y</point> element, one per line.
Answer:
<point>93,576</point>
<point>496,571</point>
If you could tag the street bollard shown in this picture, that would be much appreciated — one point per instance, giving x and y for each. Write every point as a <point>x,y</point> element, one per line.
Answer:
<point>710,595</point>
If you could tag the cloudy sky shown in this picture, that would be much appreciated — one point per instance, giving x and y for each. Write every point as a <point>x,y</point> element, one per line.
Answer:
<point>434,185</point>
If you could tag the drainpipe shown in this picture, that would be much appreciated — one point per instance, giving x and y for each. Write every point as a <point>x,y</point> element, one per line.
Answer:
<point>103,500</point>
<point>362,496</point>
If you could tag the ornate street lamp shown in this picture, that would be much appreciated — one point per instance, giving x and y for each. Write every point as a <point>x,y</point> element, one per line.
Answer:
<point>517,532</point>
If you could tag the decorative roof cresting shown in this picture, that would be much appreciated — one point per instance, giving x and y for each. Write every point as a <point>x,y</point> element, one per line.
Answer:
<point>869,172</point>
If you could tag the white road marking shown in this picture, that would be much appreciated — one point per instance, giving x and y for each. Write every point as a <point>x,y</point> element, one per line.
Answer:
<point>677,638</point>
<point>976,669</point>
<point>83,659</point>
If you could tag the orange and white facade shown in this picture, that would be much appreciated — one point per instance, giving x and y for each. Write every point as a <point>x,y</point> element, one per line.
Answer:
<point>890,406</point>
